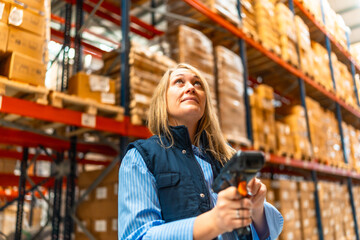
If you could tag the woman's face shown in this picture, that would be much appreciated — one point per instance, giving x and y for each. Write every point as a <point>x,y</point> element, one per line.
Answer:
<point>185,97</point>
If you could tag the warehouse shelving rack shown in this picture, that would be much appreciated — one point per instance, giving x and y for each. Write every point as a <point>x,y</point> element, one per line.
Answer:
<point>351,114</point>
<point>27,138</point>
<point>125,128</point>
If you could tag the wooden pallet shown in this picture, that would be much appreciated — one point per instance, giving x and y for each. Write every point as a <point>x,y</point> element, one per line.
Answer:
<point>25,91</point>
<point>89,106</point>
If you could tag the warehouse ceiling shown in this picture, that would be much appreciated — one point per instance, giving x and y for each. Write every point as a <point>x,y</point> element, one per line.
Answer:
<point>350,11</point>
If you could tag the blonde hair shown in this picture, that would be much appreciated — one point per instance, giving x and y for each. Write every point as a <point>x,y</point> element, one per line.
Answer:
<point>158,117</point>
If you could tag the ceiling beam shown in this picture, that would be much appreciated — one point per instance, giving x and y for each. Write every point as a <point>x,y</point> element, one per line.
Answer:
<point>355,26</point>
<point>348,9</point>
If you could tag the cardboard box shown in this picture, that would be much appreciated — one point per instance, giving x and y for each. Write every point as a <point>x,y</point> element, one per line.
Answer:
<point>4,11</point>
<point>22,68</point>
<point>98,209</point>
<point>27,20</point>
<point>99,88</point>
<point>26,43</point>
<point>87,178</point>
<point>34,4</point>
<point>4,32</point>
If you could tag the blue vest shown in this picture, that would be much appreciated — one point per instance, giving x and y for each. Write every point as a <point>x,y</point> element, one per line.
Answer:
<point>180,182</point>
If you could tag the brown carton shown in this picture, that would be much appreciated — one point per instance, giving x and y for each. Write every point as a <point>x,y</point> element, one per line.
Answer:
<point>4,11</point>
<point>4,31</point>
<point>87,178</point>
<point>99,88</point>
<point>26,43</point>
<point>27,20</point>
<point>22,68</point>
<point>34,4</point>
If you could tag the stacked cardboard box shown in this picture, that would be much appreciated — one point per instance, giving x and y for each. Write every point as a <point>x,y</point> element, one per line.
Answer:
<point>91,86</point>
<point>334,202</point>
<point>7,165</point>
<point>355,51</point>
<point>355,147</point>
<point>287,30</point>
<point>146,70</point>
<point>296,121</point>
<point>200,55</point>
<point>341,30</point>
<point>321,67</point>
<point>317,129</point>
<point>267,25</point>
<point>22,41</point>
<point>344,81</point>
<point>248,18</point>
<point>263,118</point>
<point>101,221</point>
<point>333,141</point>
<point>287,202</point>
<point>330,17</point>
<point>305,51</point>
<point>232,111</point>
<point>284,143</point>
<point>307,210</point>
<point>314,7</point>
<point>356,192</point>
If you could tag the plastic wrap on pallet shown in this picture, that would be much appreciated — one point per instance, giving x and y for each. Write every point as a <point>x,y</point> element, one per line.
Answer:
<point>231,95</point>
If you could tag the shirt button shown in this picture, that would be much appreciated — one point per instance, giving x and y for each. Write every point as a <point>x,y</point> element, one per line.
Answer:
<point>183,151</point>
<point>202,195</point>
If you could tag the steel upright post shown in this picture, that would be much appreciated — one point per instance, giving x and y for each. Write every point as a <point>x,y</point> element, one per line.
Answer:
<point>20,206</point>
<point>67,40</point>
<point>242,46</point>
<point>78,35</point>
<point>56,219</point>
<point>125,67</point>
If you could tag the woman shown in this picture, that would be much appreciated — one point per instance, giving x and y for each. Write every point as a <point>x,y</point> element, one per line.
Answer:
<point>165,181</point>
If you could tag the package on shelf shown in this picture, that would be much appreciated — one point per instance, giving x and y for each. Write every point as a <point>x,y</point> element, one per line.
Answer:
<point>4,33</point>
<point>284,143</point>
<point>231,95</point>
<point>307,209</point>
<point>103,204</point>
<point>355,51</point>
<point>334,201</point>
<point>333,141</point>
<point>287,202</point>
<point>355,147</point>
<point>344,81</point>
<point>22,68</point>
<point>4,11</point>
<point>297,123</point>
<point>91,86</point>
<point>287,31</point>
<point>341,31</point>
<point>317,129</point>
<point>7,165</point>
<point>146,69</point>
<point>263,118</point>
<point>351,145</point>
<point>267,25</point>
<point>200,54</point>
<point>305,50</point>
<point>248,18</point>
<point>330,17</point>
<point>314,7</point>
<point>321,67</point>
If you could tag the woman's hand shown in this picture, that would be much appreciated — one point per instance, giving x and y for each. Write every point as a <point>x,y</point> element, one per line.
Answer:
<point>231,210</point>
<point>258,192</point>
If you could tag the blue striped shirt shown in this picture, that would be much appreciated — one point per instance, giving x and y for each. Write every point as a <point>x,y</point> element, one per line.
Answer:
<point>139,212</point>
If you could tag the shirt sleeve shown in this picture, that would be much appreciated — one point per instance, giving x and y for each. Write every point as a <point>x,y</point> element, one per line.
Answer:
<point>139,211</point>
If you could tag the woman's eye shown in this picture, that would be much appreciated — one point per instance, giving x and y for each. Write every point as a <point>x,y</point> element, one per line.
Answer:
<point>178,81</point>
<point>197,83</point>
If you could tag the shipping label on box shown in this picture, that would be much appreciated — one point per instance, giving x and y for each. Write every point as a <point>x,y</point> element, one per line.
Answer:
<point>26,43</point>
<point>101,193</point>
<point>100,225</point>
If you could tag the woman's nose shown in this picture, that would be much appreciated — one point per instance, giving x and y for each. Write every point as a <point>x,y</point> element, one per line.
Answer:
<point>190,88</point>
